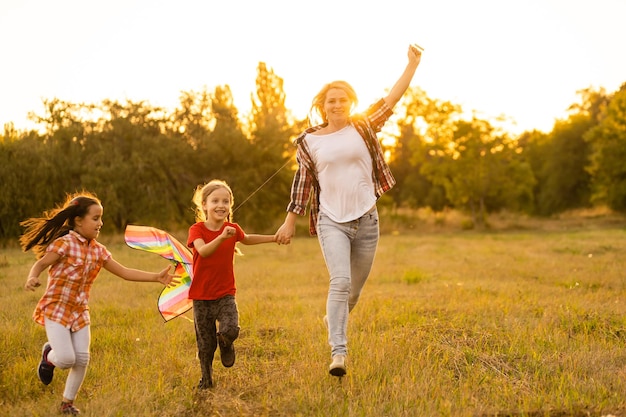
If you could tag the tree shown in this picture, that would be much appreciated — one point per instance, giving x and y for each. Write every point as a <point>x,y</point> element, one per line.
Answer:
<point>565,182</point>
<point>479,167</point>
<point>226,154</point>
<point>419,119</point>
<point>593,103</point>
<point>193,120</point>
<point>535,146</point>
<point>607,166</point>
<point>25,190</point>
<point>227,143</point>
<point>271,132</point>
<point>135,167</point>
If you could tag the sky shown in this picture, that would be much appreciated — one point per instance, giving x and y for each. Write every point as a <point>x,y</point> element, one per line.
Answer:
<point>521,59</point>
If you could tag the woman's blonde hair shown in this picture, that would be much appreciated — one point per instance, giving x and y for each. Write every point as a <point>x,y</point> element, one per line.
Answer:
<point>317,106</point>
<point>201,194</point>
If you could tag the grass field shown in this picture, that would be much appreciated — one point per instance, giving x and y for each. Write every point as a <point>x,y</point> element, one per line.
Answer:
<point>515,323</point>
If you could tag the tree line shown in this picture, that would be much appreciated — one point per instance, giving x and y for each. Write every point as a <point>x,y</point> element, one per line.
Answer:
<point>144,162</point>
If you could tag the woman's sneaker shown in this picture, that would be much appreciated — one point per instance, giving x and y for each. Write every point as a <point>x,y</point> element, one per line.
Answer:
<point>338,367</point>
<point>68,408</point>
<point>46,369</point>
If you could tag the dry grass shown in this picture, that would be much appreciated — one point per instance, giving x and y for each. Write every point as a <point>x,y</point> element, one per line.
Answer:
<point>523,322</point>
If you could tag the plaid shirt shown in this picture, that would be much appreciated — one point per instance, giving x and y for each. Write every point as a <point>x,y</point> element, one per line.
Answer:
<point>305,184</point>
<point>70,280</point>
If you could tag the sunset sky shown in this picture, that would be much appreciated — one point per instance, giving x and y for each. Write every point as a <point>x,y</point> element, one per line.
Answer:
<point>522,59</point>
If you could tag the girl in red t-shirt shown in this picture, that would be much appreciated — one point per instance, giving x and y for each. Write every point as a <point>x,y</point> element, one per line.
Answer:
<point>213,240</point>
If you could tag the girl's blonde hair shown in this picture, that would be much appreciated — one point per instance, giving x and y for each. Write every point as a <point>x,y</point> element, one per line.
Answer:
<point>201,194</point>
<point>317,106</point>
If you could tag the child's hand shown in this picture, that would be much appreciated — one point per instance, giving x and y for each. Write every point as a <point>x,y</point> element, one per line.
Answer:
<point>32,283</point>
<point>167,279</point>
<point>228,232</point>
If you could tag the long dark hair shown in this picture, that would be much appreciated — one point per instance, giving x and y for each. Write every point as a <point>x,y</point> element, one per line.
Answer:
<point>41,231</point>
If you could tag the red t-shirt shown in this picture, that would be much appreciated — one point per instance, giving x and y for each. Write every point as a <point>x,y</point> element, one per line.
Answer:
<point>213,276</point>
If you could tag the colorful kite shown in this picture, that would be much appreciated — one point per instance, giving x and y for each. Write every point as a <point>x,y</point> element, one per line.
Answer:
<point>173,301</point>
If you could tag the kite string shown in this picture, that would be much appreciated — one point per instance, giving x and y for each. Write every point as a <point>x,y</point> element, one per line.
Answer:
<point>262,185</point>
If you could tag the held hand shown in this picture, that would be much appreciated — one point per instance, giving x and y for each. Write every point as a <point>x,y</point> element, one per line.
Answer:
<point>32,283</point>
<point>167,279</point>
<point>284,234</point>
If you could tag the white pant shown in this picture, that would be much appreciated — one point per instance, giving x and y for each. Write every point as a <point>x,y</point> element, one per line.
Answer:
<point>69,350</point>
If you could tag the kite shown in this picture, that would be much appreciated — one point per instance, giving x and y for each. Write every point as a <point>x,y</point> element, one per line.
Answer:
<point>173,301</point>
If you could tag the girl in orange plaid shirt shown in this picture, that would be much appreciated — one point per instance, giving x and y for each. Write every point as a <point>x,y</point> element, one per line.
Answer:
<point>64,241</point>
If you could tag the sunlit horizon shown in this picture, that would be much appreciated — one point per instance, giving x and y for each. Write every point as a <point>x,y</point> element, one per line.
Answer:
<point>523,61</point>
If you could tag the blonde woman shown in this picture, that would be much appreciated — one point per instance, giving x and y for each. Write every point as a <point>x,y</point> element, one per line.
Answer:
<point>342,172</point>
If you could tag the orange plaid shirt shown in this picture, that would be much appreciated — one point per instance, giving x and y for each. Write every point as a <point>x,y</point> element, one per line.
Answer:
<point>69,281</point>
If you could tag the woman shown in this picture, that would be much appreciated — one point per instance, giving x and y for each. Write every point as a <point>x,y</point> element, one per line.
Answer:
<point>342,170</point>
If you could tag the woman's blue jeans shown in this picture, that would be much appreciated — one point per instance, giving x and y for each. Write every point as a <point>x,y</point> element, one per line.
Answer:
<point>349,250</point>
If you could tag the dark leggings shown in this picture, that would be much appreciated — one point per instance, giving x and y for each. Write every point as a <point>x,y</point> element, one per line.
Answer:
<point>205,314</point>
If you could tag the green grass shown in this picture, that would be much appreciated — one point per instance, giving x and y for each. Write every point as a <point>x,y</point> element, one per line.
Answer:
<point>523,323</point>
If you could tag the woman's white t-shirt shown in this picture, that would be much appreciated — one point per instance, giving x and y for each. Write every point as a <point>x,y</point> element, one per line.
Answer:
<point>344,171</point>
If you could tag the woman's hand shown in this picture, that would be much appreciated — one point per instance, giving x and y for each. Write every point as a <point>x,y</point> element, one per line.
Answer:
<point>399,88</point>
<point>415,54</point>
<point>284,234</point>
<point>287,230</point>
